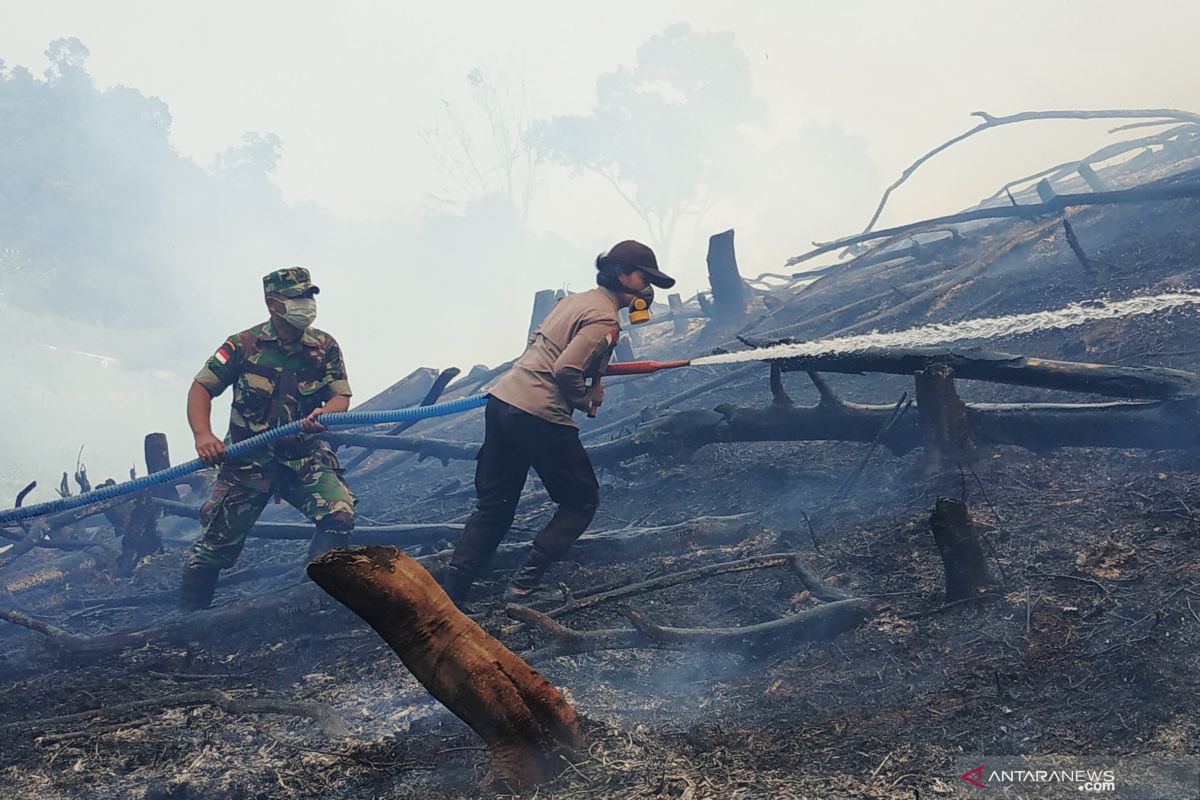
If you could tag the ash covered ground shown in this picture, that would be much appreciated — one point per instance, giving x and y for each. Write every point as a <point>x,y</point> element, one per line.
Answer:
<point>1088,646</point>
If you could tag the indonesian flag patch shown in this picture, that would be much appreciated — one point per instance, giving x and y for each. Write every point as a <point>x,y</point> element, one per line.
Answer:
<point>222,355</point>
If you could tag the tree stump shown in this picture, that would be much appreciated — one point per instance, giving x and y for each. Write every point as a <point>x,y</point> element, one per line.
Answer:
<point>728,288</point>
<point>962,555</point>
<point>543,301</point>
<point>680,323</point>
<point>527,724</point>
<point>137,524</point>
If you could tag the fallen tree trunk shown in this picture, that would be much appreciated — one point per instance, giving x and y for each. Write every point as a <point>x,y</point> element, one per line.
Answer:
<point>1040,427</point>
<point>1144,383</point>
<point>526,723</point>
<point>402,535</point>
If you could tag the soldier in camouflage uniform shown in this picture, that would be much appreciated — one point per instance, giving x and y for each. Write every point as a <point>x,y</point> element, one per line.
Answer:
<point>280,370</point>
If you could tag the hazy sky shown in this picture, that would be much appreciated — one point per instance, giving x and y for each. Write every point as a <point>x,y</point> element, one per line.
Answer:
<point>347,86</point>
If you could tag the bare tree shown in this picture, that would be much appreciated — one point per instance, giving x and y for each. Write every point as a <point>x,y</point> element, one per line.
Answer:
<point>503,164</point>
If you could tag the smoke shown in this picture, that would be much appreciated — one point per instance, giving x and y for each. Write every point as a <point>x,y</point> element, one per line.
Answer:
<point>123,265</point>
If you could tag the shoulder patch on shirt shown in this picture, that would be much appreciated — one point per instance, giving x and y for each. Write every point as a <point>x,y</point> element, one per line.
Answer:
<point>222,355</point>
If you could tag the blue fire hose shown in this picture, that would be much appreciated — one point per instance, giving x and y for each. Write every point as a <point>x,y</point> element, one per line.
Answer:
<point>332,419</point>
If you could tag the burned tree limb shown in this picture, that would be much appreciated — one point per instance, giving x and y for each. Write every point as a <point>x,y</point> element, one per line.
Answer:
<point>819,588</point>
<point>524,720</point>
<point>183,630</point>
<point>901,408</point>
<point>35,533</point>
<point>627,544</point>
<point>402,535</point>
<point>1083,165</point>
<point>435,391</point>
<point>825,622</point>
<point>1076,247</point>
<point>687,394</point>
<point>990,121</point>
<point>1039,427</point>
<point>1139,194</point>
<point>424,447</point>
<point>962,554</point>
<point>328,719</point>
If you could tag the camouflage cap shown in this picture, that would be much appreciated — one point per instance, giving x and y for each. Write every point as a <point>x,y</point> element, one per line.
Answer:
<point>289,282</point>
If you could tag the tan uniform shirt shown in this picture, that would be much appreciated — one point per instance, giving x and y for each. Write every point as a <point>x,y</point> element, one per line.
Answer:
<point>574,342</point>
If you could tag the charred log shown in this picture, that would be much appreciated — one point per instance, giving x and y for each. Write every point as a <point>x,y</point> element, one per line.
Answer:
<point>1040,427</point>
<point>1154,383</point>
<point>962,554</point>
<point>524,720</point>
<point>403,535</point>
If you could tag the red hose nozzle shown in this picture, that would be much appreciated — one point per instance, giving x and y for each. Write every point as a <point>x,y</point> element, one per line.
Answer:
<point>643,367</point>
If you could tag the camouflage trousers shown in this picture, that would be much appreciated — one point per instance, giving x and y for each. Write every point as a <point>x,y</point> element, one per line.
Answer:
<point>312,483</point>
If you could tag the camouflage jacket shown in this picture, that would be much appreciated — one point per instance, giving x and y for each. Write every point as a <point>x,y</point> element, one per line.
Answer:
<point>275,382</point>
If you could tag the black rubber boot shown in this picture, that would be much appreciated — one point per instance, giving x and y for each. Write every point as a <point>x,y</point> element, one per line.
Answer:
<point>198,586</point>
<point>524,585</point>
<point>457,583</point>
<point>324,541</point>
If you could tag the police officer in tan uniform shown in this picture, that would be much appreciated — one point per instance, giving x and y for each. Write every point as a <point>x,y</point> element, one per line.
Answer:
<point>529,423</point>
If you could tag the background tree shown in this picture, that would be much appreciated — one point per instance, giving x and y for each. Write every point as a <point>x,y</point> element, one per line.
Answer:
<point>664,133</point>
<point>501,164</point>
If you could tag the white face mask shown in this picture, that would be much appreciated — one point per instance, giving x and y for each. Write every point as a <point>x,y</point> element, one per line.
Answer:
<point>299,312</point>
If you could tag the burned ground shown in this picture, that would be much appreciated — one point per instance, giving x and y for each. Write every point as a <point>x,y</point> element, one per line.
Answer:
<point>1087,646</point>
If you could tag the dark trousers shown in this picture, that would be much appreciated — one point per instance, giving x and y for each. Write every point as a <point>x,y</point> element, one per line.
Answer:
<point>513,442</point>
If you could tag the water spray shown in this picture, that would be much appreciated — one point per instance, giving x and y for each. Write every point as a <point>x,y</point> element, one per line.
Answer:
<point>1072,315</point>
